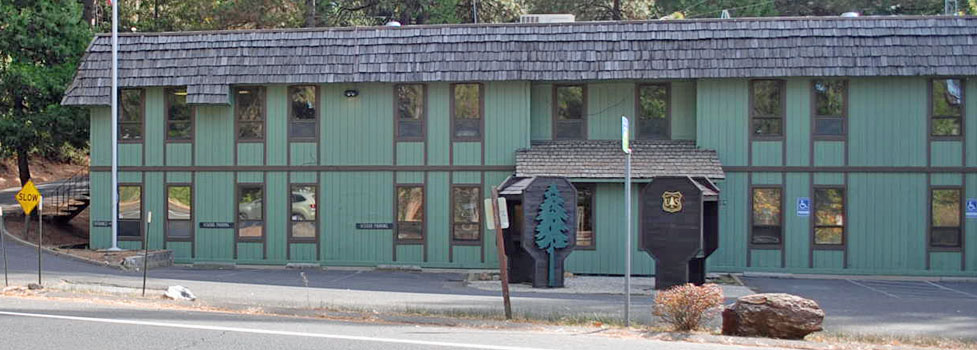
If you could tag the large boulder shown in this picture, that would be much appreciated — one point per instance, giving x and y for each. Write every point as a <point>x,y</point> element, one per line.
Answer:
<point>773,315</point>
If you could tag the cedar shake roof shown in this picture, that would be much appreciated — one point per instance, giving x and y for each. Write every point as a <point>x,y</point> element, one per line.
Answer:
<point>209,62</point>
<point>604,159</point>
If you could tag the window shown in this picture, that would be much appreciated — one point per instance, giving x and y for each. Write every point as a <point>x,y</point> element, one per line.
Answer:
<point>130,211</point>
<point>767,215</point>
<point>302,113</point>
<point>945,217</point>
<point>250,212</point>
<point>131,115</point>
<point>466,214</point>
<point>178,124</point>
<point>410,213</point>
<point>585,216</point>
<point>653,111</point>
<point>249,111</point>
<point>569,119</point>
<point>178,208</point>
<point>767,107</point>
<point>410,111</point>
<point>829,216</point>
<point>830,107</point>
<point>303,217</point>
<point>946,107</point>
<point>466,112</point>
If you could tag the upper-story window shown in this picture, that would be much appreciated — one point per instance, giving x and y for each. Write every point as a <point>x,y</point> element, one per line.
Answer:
<point>653,111</point>
<point>249,111</point>
<point>569,112</point>
<point>131,115</point>
<point>466,111</point>
<point>945,217</point>
<point>302,114</point>
<point>830,107</point>
<point>767,108</point>
<point>946,107</point>
<point>178,124</point>
<point>767,219</point>
<point>410,111</point>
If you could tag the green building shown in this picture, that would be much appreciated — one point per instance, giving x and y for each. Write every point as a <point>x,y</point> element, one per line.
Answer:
<point>369,146</point>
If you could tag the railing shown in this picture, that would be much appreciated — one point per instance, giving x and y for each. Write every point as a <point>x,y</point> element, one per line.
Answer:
<point>70,192</point>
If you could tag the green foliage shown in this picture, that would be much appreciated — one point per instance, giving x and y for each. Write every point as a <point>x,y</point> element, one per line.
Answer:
<point>41,42</point>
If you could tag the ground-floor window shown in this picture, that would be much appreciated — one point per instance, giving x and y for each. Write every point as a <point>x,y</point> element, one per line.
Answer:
<point>829,216</point>
<point>130,211</point>
<point>767,219</point>
<point>585,216</point>
<point>465,213</point>
<point>945,217</point>
<point>250,209</point>
<point>410,213</point>
<point>303,212</point>
<point>179,206</point>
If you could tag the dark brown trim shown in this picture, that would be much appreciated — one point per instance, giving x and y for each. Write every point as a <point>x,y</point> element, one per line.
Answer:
<point>593,218</point>
<point>481,113</point>
<point>142,209</point>
<point>638,110</point>
<point>930,116</point>
<point>782,86</point>
<point>584,134</point>
<point>341,168</point>
<point>166,216</point>
<point>961,230</point>
<point>451,215</point>
<point>288,116</point>
<point>844,223</point>
<point>423,118</point>
<point>777,246</point>
<point>396,221</point>
<point>141,122</point>
<point>814,113</point>
<point>845,169</point>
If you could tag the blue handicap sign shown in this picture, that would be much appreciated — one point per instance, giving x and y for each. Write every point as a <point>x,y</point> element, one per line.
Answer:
<point>972,207</point>
<point>803,206</point>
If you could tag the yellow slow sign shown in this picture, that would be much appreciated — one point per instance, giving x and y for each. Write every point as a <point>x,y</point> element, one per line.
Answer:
<point>28,197</point>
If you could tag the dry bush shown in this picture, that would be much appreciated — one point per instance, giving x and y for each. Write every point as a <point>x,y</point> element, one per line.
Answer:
<point>684,307</point>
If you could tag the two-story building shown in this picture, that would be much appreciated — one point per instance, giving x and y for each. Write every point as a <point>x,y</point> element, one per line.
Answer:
<point>367,146</point>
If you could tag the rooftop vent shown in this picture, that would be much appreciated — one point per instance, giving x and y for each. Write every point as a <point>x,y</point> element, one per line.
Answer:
<point>556,18</point>
<point>850,14</point>
<point>392,24</point>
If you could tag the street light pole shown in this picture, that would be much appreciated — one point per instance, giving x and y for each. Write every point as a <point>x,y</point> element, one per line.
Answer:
<point>115,125</point>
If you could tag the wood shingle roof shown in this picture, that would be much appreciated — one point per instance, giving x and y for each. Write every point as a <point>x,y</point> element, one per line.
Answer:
<point>603,159</point>
<point>209,62</point>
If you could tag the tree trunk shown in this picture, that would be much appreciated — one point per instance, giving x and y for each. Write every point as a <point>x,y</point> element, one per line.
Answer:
<point>310,13</point>
<point>23,167</point>
<point>88,11</point>
<point>617,10</point>
<point>552,267</point>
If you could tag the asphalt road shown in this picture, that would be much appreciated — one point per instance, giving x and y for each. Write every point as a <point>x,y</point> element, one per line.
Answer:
<point>9,203</point>
<point>47,324</point>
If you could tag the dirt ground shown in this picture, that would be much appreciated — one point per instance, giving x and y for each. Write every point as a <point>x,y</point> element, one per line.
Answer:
<point>54,236</point>
<point>42,170</point>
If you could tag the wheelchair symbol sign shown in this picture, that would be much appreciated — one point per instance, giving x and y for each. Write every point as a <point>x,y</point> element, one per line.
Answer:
<point>972,207</point>
<point>803,206</point>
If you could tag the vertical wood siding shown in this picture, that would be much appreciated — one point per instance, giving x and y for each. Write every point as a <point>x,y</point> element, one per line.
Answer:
<point>214,137</point>
<point>507,119</point>
<point>887,122</point>
<point>155,126</point>
<point>357,130</point>
<point>723,119</point>
<point>214,244</point>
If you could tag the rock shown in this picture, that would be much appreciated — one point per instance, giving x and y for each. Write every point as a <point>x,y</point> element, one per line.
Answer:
<point>179,293</point>
<point>773,315</point>
<point>34,286</point>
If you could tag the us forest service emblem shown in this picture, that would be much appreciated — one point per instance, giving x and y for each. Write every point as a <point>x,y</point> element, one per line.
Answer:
<point>672,202</point>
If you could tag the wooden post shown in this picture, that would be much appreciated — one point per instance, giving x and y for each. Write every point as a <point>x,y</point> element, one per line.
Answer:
<point>503,260</point>
<point>145,255</point>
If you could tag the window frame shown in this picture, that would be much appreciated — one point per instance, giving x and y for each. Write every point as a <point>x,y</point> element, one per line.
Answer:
<point>167,122</point>
<point>961,220</point>
<point>142,211</point>
<point>291,119</point>
<point>481,113</point>
<point>142,117</point>
<point>239,187</point>
<point>930,117</point>
<point>554,121</point>
<point>422,120</point>
<point>782,86</point>
<point>753,225</point>
<point>315,223</point>
<point>593,218</point>
<point>815,117</point>
<point>480,223</point>
<point>166,226</point>
<point>668,111</point>
<point>396,218</point>
<point>263,93</point>
<point>844,218</point>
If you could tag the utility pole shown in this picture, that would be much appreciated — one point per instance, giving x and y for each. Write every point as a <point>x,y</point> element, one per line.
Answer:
<point>115,125</point>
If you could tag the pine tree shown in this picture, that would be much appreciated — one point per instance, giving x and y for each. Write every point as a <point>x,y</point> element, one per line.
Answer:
<point>551,227</point>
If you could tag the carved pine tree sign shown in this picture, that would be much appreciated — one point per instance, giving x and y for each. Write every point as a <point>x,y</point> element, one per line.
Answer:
<point>551,228</point>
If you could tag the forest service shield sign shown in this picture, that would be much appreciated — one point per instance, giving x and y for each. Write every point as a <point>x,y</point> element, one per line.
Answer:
<point>672,201</point>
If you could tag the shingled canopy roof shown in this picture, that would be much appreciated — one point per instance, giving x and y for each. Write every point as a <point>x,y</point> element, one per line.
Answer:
<point>209,62</point>
<point>603,159</point>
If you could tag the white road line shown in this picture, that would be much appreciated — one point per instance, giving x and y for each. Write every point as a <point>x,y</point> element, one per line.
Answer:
<point>951,289</point>
<point>270,332</point>
<point>872,289</point>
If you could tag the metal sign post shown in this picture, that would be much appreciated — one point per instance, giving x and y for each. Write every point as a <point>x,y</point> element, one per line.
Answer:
<point>500,249</point>
<point>626,147</point>
<point>115,125</point>
<point>3,247</point>
<point>145,255</point>
<point>40,231</point>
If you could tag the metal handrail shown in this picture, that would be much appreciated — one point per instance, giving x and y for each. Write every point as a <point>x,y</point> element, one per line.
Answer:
<point>68,190</point>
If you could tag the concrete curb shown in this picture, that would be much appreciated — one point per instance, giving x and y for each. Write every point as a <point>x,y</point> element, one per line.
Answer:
<point>860,277</point>
<point>59,253</point>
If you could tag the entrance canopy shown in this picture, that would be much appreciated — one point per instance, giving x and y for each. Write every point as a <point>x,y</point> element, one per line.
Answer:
<point>603,159</point>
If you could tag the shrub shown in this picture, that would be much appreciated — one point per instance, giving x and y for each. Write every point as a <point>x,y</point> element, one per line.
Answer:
<point>684,307</point>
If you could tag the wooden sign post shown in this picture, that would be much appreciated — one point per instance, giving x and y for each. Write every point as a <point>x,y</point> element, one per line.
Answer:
<point>503,260</point>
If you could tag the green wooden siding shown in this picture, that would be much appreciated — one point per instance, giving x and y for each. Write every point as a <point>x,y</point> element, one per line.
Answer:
<point>101,136</point>
<point>829,153</point>
<point>723,119</point>
<point>768,153</point>
<point>214,244</point>
<point>366,197</point>
<point>798,123</point>
<point>877,241</point>
<point>946,153</point>
<point>887,122</point>
<point>797,230</point>
<point>276,136</point>
<point>155,126</point>
<point>179,154</point>
<point>507,108</point>
<point>359,130</point>
<point>302,153</point>
<point>214,137</point>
